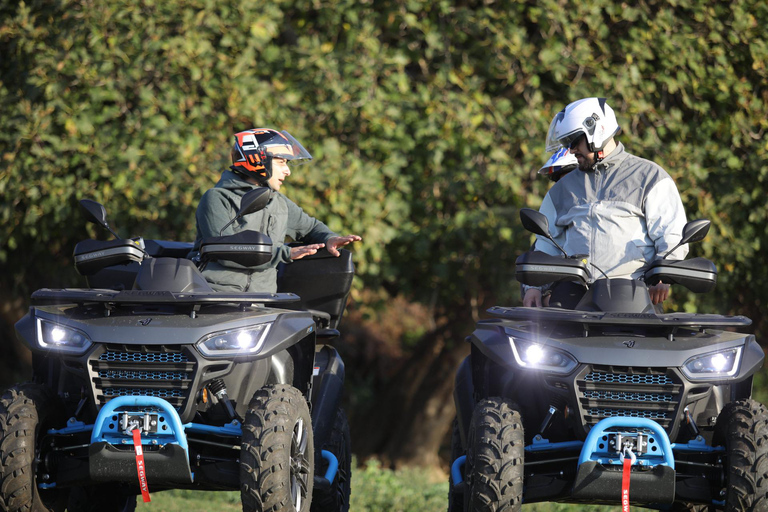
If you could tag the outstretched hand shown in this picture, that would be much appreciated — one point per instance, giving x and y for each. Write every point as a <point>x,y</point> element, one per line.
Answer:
<point>305,250</point>
<point>335,242</point>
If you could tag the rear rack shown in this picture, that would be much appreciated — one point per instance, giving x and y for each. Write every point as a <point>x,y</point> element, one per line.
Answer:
<point>112,299</point>
<point>587,318</point>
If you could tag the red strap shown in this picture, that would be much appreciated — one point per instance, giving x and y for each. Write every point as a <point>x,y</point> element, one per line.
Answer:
<point>140,467</point>
<point>625,484</point>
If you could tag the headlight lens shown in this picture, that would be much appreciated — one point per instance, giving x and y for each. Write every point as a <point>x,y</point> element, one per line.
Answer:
<point>53,336</point>
<point>529,354</point>
<point>234,342</point>
<point>714,365</point>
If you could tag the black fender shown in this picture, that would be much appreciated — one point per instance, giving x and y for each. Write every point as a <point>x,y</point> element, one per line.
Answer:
<point>463,396</point>
<point>327,386</point>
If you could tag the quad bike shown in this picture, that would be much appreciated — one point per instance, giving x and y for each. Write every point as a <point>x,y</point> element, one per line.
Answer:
<point>150,380</point>
<point>609,401</point>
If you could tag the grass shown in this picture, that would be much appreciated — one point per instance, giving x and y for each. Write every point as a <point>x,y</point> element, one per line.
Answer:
<point>374,489</point>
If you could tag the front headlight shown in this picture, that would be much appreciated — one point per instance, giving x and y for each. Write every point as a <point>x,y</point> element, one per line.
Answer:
<point>529,354</point>
<point>714,365</point>
<point>53,336</point>
<point>234,342</point>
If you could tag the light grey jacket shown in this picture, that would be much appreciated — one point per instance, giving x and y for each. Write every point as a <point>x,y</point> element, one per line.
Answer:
<point>621,215</point>
<point>281,218</point>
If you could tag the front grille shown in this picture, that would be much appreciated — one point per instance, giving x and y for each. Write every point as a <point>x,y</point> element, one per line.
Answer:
<point>158,393</point>
<point>622,378</point>
<point>139,357</point>
<point>628,397</point>
<point>164,371</point>
<point>635,392</point>
<point>610,413</point>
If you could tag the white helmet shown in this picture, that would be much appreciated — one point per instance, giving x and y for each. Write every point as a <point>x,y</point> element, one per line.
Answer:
<point>559,164</point>
<point>591,117</point>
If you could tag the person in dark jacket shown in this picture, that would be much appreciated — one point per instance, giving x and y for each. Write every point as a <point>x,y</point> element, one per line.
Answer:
<point>260,157</point>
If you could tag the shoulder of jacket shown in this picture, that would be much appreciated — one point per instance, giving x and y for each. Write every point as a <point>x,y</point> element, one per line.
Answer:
<point>647,167</point>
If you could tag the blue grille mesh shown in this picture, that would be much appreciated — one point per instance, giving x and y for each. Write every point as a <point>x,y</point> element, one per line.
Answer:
<point>608,413</point>
<point>159,393</point>
<point>143,375</point>
<point>623,378</point>
<point>144,357</point>
<point>628,397</point>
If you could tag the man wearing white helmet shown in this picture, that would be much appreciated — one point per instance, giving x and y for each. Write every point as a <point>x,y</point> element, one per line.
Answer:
<point>620,210</point>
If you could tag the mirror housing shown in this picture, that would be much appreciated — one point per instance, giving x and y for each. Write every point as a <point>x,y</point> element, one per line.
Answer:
<point>537,223</point>
<point>253,201</point>
<point>693,231</point>
<point>96,213</point>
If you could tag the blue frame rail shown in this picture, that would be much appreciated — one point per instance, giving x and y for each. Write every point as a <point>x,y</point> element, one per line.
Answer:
<point>596,447</point>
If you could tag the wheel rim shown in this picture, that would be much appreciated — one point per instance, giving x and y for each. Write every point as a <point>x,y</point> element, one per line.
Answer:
<point>299,464</point>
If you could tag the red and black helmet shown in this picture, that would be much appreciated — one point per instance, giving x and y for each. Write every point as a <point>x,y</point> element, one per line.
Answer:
<point>254,150</point>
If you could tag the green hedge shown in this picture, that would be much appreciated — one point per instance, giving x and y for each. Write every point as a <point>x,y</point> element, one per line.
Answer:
<point>426,119</point>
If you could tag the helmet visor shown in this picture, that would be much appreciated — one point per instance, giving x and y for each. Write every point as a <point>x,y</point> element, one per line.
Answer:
<point>561,160</point>
<point>569,140</point>
<point>283,145</point>
<point>552,143</point>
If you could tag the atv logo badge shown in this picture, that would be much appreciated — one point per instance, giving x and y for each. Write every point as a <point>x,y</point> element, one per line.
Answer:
<point>629,343</point>
<point>145,322</point>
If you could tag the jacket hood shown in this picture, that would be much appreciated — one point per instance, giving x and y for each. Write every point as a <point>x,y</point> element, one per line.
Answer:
<point>232,181</point>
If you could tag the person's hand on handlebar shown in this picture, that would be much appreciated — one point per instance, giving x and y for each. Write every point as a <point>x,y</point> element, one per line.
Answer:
<point>532,298</point>
<point>659,293</point>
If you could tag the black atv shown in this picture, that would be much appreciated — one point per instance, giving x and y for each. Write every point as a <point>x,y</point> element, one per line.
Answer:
<point>149,380</point>
<point>609,401</point>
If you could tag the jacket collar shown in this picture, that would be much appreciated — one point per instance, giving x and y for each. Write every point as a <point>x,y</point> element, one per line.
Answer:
<point>613,160</point>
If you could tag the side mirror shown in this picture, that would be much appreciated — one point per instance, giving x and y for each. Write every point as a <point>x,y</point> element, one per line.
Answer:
<point>251,202</point>
<point>254,201</point>
<point>693,231</point>
<point>96,213</point>
<point>537,223</point>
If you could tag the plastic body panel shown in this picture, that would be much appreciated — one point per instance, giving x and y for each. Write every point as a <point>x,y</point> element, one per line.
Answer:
<point>327,387</point>
<point>536,268</point>
<point>247,248</point>
<point>321,280</point>
<point>697,274</point>
<point>94,255</point>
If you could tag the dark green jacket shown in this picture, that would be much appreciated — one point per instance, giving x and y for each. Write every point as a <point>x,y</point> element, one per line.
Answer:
<point>281,218</point>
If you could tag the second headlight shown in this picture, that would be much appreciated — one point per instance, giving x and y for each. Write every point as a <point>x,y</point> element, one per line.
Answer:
<point>529,354</point>
<point>234,342</point>
<point>714,365</point>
